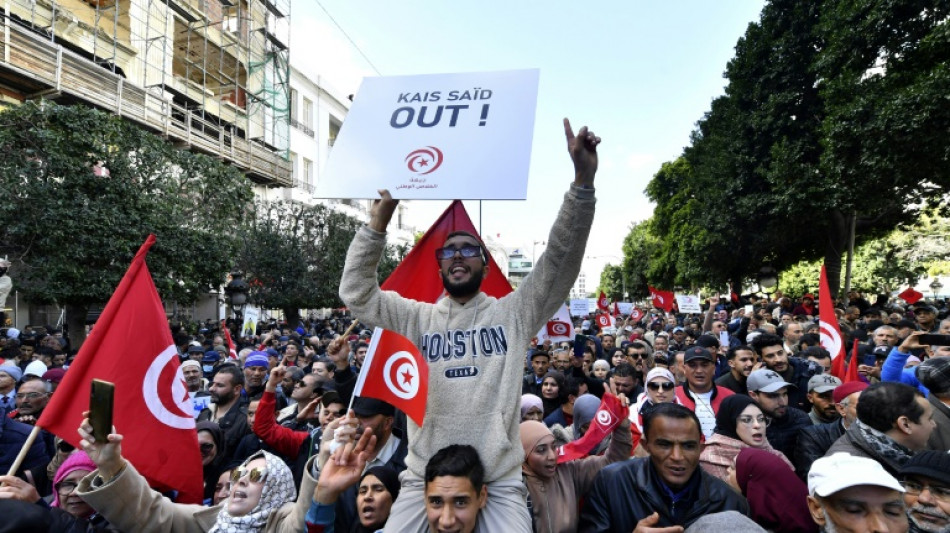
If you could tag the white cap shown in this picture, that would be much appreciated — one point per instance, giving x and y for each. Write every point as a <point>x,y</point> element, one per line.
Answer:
<point>36,368</point>
<point>659,372</point>
<point>585,324</point>
<point>829,475</point>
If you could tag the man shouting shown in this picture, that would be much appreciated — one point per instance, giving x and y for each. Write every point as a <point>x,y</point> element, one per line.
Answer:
<point>474,343</point>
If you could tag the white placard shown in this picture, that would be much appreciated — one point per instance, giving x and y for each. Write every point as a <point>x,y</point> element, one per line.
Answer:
<point>436,137</point>
<point>580,307</point>
<point>625,308</point>
<point>252,316</point>
<point>688,303</point>
<point>562,320</point>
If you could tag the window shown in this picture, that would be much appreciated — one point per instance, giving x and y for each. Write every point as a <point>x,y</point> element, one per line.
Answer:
<point>293,104</point>
<point>307,111</point>
<point>294,171</point>
<point>307,174</point>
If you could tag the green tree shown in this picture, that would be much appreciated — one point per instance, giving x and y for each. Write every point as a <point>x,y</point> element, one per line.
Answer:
<point>293,256</point>
<point>84,188</point>
<point>611,282</point>
<point>834,112</point>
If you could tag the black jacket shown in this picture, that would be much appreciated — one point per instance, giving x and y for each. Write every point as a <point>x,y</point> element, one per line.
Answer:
<point>813,442</point>
<point>783,432</point>
<point>852,442</point>
<point>798,373</point>
<point>625,493</point>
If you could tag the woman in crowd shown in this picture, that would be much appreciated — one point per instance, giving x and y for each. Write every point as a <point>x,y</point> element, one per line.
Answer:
<point>600,370</point>
<point>532,408</point>
<point>616,357</point>
<point>555,489</point>
<point>210,444</point>
<point>261,496</point>
<point>777,498</point>
<point>552,392</point>
<point>740,424</point>
<point>660,388</point>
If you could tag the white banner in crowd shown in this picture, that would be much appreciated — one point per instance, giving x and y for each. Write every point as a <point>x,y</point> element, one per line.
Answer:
<point>625,308</point>
<point>252,316</point>
<point>580,307</point>
<point>561,327</point>
<point>688,303</point>
<point>436,137</point>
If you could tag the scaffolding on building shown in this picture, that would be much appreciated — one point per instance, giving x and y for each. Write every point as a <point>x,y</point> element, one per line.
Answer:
<point>212,75</point>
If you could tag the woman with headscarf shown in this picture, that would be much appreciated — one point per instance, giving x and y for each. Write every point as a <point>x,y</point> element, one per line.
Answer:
<point>213,456</point>
<point>740,424</point>
<point>555,489</point>
<point>777,498</point>
<point>532,408</point>
<point>77,466</point>
<point>660,388</point>
<point>553,393</point>
<point>261,497</point>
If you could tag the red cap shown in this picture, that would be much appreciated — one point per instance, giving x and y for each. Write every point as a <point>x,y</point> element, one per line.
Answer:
<point>847,389</point>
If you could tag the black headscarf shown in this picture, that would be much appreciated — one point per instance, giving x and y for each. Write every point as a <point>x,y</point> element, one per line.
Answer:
<point>729,411</point>
<point>212,471</point>
<point>390,479</point>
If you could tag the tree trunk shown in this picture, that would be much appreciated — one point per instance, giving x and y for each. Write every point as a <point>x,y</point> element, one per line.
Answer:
<point>835,246</point>
<point>76,324</point>
<point>292,316</point>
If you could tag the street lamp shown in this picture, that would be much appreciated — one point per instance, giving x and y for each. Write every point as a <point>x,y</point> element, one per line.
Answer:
<point>935,286</point>
<point>236,292</point>
<point>767,278</point>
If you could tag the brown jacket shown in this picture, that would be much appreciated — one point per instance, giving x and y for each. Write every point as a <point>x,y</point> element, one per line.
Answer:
<point>555,501</point>
<point>940,438</point>
<point>129,504</point>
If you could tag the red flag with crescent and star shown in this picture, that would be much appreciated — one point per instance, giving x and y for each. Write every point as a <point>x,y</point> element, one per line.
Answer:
<point>232,351</point>
<point>831,339</point>
<point>610,413</point>
<point>603,303</point>
<point>417,276</point>
<point>131,346</point>
<point>395,372</point>
<point>661,299</point>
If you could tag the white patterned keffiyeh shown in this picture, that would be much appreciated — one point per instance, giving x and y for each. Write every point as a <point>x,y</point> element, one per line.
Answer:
<point>278,490</point>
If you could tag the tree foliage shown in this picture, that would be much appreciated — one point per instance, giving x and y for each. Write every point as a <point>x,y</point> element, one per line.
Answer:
<point>84,188</point>
<point>833,110</point>
<point>293,255</point>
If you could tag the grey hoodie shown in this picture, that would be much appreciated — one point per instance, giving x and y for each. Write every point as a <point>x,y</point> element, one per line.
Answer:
<point>475,350</point>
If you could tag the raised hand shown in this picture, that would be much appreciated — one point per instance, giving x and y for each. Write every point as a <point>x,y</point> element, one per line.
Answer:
<point>583,150</point>
<point>344,468</point>
<point>382,211</point>
<point>107,455</point>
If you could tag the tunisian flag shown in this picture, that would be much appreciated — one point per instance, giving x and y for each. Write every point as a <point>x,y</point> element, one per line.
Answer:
<point>608,415</point>
<point>417,276</point>
<point>395,372</point>
<point>131,346</point>
<point>232,351</point>
<point>602,302</point>
<point>662,299</point>
<point>828,325</point>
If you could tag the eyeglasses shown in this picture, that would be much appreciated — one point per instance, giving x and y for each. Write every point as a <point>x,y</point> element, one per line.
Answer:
<point>65,487</point>
<point>206,447</point>
<point>30,395</point>
<point>748,420</point>
<point>253,474</point>
<point>666,385</point>
<point>467,252</point>
<point>938,492</point>
<point>340,413</point>
<point>637,356</point>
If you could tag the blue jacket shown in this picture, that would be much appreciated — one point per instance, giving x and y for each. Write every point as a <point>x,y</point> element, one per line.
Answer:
<point>13,435</point>
<point>893,370</point>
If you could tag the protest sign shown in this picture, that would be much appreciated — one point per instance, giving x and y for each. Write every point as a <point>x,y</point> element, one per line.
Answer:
<point>437,137</point>
<point>580,307</point>
<point>688,303</point>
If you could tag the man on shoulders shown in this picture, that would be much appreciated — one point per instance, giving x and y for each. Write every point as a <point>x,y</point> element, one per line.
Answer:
<point>474,343</point>
<point>665,489</point>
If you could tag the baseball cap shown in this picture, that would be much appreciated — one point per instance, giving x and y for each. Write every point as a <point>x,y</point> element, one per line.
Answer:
<point>924,307</point>
<point>195,348</point>
<point>696,352</point>
<point>848,389</point>
<point>707,341</point>
<point>211,356</point>
<point>364,406</point>
<point>829,475</point>
<point>822,383</point>
<point>765,380</point>
<point>929,463</point>
<point>585,324</point>
<point>677,329</point>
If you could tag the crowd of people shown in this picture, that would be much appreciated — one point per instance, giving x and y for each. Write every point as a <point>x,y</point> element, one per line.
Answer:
<point>736,422</point>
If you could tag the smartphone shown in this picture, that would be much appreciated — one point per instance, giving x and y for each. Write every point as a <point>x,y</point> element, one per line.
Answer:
<point>101,397</point>
<point>934,340</point>
<point>580,341</point>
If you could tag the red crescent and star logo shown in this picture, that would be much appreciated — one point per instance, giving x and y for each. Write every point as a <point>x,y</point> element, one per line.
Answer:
<point>424,160</point>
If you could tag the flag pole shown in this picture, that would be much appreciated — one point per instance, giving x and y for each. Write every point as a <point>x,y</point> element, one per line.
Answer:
<point>370,352</point>
<point>345,335</point>
<point>23,451</point>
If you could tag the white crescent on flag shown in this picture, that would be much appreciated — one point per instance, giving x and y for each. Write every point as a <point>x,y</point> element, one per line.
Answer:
<point>830,339</point>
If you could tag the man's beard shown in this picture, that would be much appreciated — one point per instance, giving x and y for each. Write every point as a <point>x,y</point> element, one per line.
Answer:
<point>467,288</point>
<point>221,398</point>
<point>926,526</point>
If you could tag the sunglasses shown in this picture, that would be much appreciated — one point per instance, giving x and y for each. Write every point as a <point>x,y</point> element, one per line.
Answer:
<point>254,474</point>
<point>467,252</point>
<point>666,385</point>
